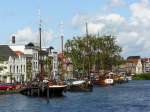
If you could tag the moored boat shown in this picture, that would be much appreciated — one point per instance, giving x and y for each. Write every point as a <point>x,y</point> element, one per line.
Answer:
<point>129,78</point>
<point>80,86</point>
<point>44,89</point>
<point>55,90</point>
<point>104,80</point>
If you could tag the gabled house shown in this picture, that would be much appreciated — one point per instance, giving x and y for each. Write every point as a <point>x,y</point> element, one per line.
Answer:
<point>6,54</point>
<point>65,67</point>
<point>146,65</point>
<point>18,66</point>
<point>27,55</point>
<point>134,65</point>
<point>54,69</point>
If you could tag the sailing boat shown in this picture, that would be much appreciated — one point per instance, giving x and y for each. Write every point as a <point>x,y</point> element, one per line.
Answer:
<point>81,85</point>
<point>41,86</point>
<point>53,88</point>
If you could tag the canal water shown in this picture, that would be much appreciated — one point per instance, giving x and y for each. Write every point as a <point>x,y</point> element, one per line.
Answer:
<point>129,97</point>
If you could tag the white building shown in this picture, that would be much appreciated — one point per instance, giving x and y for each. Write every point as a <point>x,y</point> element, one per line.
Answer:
<point>6,55</point>
<point>17,66</point>
<point>54,56</point>
<point>146,65</point>
<point>134,65</point>
<point>26,53</point>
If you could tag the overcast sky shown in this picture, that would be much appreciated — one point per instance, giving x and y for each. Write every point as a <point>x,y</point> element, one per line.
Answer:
<point>129,20</point>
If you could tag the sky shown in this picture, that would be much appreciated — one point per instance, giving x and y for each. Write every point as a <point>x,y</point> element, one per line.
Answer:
<point>128,20</point>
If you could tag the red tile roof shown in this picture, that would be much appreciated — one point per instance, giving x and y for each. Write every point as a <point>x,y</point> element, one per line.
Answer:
<point>19,53</point>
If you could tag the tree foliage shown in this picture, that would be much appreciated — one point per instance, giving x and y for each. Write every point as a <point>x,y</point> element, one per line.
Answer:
<point>48,67</point>
<point>100,52</point>
<point>29,70</point>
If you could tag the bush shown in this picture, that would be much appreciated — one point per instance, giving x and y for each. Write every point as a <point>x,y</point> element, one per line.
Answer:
<point>144,76</point>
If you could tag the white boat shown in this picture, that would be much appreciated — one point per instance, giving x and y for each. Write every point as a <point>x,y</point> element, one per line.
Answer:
<point>80,86</point>
<point>129,78</point>
<point>109,81</point>
<point>78,82</point>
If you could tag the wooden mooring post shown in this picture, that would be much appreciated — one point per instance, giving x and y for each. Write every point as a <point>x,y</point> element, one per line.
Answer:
<point>47,93</point>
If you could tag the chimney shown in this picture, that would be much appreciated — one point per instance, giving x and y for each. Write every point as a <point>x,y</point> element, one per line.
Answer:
<point>13,39</point>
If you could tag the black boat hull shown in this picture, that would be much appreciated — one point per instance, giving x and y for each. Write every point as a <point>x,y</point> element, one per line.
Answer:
<point>43,92</point>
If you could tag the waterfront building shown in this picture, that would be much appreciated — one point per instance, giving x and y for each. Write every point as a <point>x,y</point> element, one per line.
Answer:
<point>6,56</point>
<point>66,67</point>
<point>134,65</point>
<point>17,66</point>
<point>54,71</point>
<point>146,65</point>
<point>69,69</point>
<point>27,55</point>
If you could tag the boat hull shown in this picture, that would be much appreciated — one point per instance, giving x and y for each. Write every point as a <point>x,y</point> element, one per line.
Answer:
<point>84,86</point>
<point>51,91</point>
<point>80,88</point>
<point>54,91</point>
<point>104,82</point>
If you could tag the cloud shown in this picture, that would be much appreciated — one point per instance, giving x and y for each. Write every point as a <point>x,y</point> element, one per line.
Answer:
<point>132,32</point>
<point>100,23</point>
<point>141,12</point>
<point>79,20</point>
<point>115,4</point>
<point>26,35</point>
<point>94,28</point>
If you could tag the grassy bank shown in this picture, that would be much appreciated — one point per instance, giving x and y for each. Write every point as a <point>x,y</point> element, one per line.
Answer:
<point>4,92</point>
<point>145,76</point>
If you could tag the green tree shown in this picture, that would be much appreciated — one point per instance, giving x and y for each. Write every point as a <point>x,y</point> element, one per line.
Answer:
<point>88,51</point>
<point>29,70</point>
<point>48,67</point>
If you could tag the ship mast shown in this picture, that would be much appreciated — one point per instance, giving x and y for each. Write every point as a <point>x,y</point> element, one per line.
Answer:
<point>88,49</point>
<point>40,48</point>
<point>62,51</point>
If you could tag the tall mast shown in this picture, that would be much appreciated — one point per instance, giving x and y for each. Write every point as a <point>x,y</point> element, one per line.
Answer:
<point>88,49</point>
<point>87,32</point>
<point>40,35</point>
<point>40,30</point>
<point>62,36</point>
<point>62,52</point>
<point>40,48</point>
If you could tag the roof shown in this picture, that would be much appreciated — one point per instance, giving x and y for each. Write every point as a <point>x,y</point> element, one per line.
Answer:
<point>133,57</point>
<point>19,53</point>
<point>5,52</point>
<point>133,61</point>
<point>146,60</point>
<point>18,47</point>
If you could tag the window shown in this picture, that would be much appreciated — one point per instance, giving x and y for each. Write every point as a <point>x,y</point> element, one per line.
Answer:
<point>36,65</point>
<point>10,68</point>
<point>21,68</point>
<point>17,68</point>
<point>24,68</point>
<point>14,69</point>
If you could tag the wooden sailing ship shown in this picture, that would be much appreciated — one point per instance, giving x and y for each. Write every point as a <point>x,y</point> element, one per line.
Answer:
<point>85,84</point>
<point>80,86</point>
<point>42,87</point>
<point>104,79</point>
